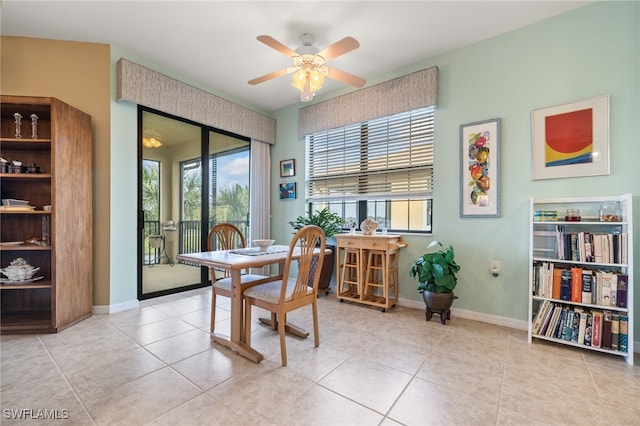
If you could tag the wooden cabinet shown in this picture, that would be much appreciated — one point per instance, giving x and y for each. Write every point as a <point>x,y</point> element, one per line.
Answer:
<point>581,273</point>
<point>56,172</point>
<point>367,268</point>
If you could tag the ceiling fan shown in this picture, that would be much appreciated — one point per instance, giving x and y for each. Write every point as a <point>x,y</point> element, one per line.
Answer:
<point>309,64</point>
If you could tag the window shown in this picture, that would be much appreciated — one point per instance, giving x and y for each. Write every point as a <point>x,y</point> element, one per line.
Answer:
<point>380,169</point>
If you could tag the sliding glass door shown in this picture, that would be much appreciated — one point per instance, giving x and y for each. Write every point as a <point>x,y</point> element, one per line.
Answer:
<point>177,206</point>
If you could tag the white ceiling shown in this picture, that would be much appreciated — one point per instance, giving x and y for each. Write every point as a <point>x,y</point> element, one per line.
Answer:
<point>212,44</point>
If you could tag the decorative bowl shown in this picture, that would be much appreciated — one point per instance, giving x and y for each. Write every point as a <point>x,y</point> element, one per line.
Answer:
<point>19,270</point>
<point>263,244</point>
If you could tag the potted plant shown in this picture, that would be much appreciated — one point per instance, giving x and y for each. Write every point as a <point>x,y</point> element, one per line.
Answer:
<point>436,274</point>
<point>331,224</point>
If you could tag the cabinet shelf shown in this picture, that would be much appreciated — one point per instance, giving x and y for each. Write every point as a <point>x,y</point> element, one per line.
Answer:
<point>600,294</point>
<point>26,176</point>
<point>39,284</point>
<point>25,248</point>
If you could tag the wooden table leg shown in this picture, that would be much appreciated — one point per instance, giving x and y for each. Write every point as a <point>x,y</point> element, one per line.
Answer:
<point>236,342</point>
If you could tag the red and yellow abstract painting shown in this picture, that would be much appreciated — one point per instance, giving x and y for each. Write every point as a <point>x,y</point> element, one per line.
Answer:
<point>569,138</point>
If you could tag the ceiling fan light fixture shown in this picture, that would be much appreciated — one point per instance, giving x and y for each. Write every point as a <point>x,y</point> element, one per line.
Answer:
<point>151,142</point>
<point>307,82</point>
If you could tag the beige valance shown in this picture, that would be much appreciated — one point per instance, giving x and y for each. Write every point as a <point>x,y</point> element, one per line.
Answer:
<point>406,93</point>
<point>146,87</point>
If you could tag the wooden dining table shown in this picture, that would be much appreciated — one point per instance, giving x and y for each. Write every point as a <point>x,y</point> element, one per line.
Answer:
<point>235,261</point>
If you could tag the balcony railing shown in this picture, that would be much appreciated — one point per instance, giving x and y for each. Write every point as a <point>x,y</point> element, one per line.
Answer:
<point>188,237</point>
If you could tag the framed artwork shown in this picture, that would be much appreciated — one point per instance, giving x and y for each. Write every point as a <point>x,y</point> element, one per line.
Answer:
<point>571,140</point>
<point>287,168</point>
<point>288,191</point>
<point>480,169</point>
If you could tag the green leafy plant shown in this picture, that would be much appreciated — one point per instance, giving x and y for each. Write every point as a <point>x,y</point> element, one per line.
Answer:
<point>436,270</point>
<point>329,222</point>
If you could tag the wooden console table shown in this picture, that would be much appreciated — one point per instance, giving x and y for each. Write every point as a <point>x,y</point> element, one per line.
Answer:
<point>376,254</point>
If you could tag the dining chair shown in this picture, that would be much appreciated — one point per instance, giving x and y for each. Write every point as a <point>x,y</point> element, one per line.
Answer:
<point>290,293</point>
<point>226,236</point>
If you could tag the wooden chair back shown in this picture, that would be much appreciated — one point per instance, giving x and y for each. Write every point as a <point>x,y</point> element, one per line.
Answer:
<point>225,236</point>
<point>308,239</point>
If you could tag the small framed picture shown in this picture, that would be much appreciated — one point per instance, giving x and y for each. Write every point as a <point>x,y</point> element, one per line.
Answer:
<point>287,168</point>
<point>288,191</point>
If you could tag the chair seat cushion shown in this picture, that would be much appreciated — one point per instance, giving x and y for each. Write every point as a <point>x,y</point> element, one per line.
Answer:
<point>270,292</point>
<point>225,283</point>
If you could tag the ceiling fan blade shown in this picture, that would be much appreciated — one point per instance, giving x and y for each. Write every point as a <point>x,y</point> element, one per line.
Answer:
<point>275,44</point>
<point>339,48</point>
<point>345,77</point>
<point>270,76</point>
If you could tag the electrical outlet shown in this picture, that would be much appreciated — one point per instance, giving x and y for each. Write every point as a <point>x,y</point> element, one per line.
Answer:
<point>495,268</point>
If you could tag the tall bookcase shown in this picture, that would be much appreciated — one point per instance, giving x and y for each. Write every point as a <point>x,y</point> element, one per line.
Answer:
<point>59,155</point>
<point>581,273</point>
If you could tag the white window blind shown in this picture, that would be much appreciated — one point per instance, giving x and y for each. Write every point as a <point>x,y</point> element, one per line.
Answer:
<point>385,158</point>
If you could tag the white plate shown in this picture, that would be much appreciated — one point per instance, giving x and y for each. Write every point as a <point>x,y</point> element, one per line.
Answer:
<point>30,280</point>
<point>11,243</point>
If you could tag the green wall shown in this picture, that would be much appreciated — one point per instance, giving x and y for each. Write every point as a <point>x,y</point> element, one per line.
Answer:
<point>589,52</point>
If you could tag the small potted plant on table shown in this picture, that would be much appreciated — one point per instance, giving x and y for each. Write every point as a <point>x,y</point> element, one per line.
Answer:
<point>436,274</point>
<point>331,224</point>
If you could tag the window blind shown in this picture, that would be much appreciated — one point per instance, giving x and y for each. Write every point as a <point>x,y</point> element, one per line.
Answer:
<point>385,158</point>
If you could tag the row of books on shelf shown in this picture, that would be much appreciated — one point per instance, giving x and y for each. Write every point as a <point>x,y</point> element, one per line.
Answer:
<point>599,329</point>
<point>580,285</point>
<point>590,247</point>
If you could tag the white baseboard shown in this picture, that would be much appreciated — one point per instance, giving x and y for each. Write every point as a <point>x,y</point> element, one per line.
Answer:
<point>491,319</point>
<point>118,307</point>
<point>476,316</point>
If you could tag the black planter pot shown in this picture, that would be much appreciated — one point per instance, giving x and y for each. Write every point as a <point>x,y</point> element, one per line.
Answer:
<point>326,272</point>
<point>438,303</point>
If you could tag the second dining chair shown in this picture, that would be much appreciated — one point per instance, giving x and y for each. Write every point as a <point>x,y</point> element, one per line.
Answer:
<point>290,293</point>
<point>225,236</point>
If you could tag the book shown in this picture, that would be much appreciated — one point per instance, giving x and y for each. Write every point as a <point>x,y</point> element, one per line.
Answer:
<point>576,284</point>
<point>621,291</point>
<point>547,318</point>
<point>554,321</point>
<point>587,283</point>
<point>557,273</point>
<point>596,333</point>
<point>583,327</point>
<point>615,330</point>
<point>588,331</point>
<point>574,247</point>
<point>596,292</point>
<point>561,320</point>
<point>624,241</point>
<point>613,291</point>
<point>566,333</point>
<point>606,284</point>
<point>575,326</point>
<point>605,341</point>
<point>542,310</point>
<point>597,248</point>
<point>623,334</point>
<point>565,284</point>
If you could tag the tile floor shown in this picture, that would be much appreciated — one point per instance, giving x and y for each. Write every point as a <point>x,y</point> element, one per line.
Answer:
<point>157,365</point>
